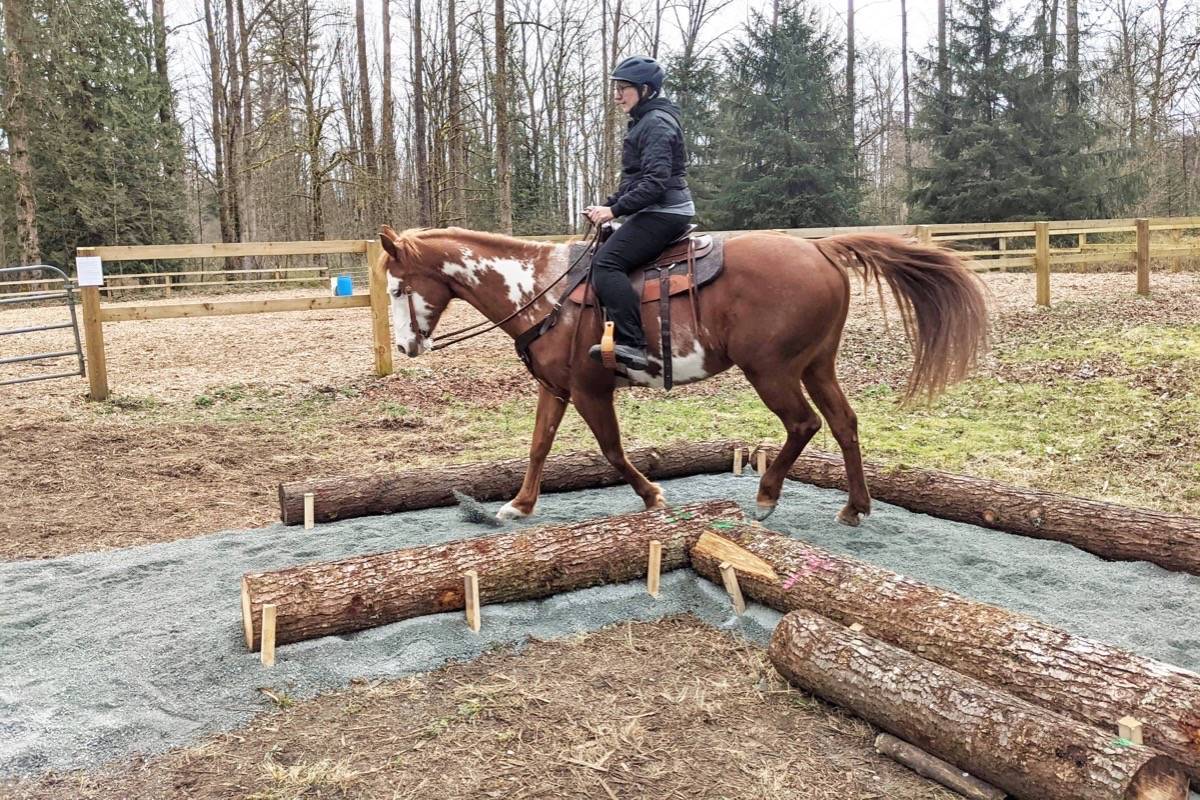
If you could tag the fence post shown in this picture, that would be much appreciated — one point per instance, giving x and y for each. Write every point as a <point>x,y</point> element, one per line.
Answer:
<point>924,234</point>
<point>1143,255</point>
<point>380,328</point>
<point>1041,261</point>
<point>1176,261</point>
<point>93,343</point>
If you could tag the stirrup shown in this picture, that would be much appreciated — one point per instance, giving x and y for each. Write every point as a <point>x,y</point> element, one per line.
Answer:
<point>607,357</point>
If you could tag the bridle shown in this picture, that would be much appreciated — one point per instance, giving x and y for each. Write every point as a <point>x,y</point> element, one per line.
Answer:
<point>470,332</point>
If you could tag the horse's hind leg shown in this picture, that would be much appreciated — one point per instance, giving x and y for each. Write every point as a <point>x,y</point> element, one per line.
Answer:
<point>549,414</point>
<point>598,412</point>
<point>821,381</point>
<point>780,391</point>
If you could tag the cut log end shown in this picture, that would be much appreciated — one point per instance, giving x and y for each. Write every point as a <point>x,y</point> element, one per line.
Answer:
<point>1159,778</point>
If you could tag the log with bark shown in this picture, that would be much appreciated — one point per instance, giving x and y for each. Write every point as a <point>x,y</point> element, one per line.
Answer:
<point>385,493</point>
<point>1093,682</point>
<point>365,591</point>
<point>934,768</point>
<point>1106,529</point>
<point>1030,752</point>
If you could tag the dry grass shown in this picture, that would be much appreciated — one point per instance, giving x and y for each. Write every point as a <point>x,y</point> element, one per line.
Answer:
<point>673,709</point>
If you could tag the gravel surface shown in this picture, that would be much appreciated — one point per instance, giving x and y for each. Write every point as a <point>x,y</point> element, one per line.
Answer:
<point>140,650</point>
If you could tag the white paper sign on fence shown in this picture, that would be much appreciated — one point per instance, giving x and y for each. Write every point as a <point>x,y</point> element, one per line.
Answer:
<point>89,271</point>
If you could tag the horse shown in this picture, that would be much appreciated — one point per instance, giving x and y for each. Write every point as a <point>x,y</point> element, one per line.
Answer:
<point>776,311</point>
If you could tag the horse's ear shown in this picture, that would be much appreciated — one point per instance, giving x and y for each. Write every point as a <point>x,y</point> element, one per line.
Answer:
<point>387,237</point>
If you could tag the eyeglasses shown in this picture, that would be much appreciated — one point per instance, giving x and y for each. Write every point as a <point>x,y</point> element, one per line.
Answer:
<point>620,86</point>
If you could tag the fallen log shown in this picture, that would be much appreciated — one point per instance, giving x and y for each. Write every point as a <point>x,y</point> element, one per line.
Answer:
<point>385,493</point>
<point>1093,682</point>
<point>365,591</point>
<point>1105,529</point>
<point>1031,753</point>
<point>934,768</point>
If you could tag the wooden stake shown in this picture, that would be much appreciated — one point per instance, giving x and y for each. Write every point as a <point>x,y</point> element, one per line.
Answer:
<point>737,461</point>
<point>762,461</point>
<point>724,551</point>
<point>1130,728</point>
<point>1041,261</point>
<point>857,627</point>
<point>310,507</point>
<point>268,635</point>
<point>1142,228</point>
<point>654,569</point>
<point>729,576</point>
<point>471,596</point>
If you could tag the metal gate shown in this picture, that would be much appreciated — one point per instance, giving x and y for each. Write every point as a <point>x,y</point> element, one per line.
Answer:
<point>67,294</point>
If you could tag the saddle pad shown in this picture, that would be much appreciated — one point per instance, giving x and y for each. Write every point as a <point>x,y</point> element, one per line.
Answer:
<point>707,269</point>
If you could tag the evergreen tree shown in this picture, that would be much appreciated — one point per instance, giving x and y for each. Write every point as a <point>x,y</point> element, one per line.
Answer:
<point>780,155</point>
<point>1004,144</point>
<point>108,166</point>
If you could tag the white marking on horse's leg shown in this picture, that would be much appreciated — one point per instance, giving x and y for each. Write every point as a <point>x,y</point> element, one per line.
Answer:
<point>509,511</point>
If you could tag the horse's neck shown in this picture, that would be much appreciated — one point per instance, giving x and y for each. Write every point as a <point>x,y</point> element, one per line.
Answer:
<point>498,281</point>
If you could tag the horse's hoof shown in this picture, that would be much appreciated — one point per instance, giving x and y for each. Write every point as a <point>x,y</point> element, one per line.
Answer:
<point>764,511</point>
<point>509,511</point>
<point>848,516</point>
<point>656,500</point>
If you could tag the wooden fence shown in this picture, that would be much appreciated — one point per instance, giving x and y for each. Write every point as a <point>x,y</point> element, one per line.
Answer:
<point>95,315</point>
<point>1039,246</point>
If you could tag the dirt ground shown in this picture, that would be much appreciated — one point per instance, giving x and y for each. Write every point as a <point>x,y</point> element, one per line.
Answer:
<point>209,415</point>
<point>673,709</point>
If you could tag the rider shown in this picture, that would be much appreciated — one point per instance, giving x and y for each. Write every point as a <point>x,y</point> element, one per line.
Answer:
<point>653,195</point>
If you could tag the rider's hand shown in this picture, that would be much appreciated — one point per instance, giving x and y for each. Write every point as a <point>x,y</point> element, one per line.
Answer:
<point>598,214</point>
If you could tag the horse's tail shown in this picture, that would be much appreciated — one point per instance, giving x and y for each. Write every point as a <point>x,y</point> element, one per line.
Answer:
<point>942,302</point>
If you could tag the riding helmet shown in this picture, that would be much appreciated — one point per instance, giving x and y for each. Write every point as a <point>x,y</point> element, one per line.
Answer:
<point>640,70</point>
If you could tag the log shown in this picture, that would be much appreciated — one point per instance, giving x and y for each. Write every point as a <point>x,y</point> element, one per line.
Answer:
<point>1031,753</point>
<point>386,493</point>
<point>1090,681</point>
<point>934,768</point>
<point>1108,530</point>
<point>365,591</point>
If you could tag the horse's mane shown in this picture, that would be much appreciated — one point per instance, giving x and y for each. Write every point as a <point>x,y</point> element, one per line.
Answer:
<point>408,241</point>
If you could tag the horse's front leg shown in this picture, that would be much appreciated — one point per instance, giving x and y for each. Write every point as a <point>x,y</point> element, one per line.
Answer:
<point>598,412</point>
<point>549,414</point>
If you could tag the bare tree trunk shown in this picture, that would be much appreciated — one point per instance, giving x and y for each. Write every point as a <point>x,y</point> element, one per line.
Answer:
<point>233,133</point>
<point>160,59</point>
<point>908,176</point>
<point>420,135</point>
<point>1048,22</point>
<point>458,166</point>
<point>218,126</point>
<point>850,70</point>
<point>249,215</point>
<point>1073,55</point>
<point>943,68</point>
<point>387,121</point>
<point>17,47</point>
<point>503,169</point>
<point>367,115</point>
<point>611,135</point>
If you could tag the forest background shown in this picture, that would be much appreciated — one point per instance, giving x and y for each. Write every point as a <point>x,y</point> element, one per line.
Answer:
<point>246,120</point>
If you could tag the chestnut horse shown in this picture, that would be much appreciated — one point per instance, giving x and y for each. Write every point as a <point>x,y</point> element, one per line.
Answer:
<point>776,311</point>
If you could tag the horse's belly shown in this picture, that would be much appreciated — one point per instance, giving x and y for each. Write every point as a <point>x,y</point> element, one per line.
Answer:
<point>686,368</point>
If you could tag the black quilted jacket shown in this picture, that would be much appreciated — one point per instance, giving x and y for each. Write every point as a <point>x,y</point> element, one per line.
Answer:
<point>653,159</point>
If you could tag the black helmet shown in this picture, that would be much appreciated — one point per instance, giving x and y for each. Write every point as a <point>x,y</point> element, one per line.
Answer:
<point>642,71</point>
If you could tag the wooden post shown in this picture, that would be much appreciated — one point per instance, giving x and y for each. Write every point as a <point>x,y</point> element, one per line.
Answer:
<point>93,343</point>
<point>471,598</point>
<point>1143,255</point>
<point>737,461</point>
<point>310,510</point>
<point>1041,260</point>
<point>1130,728</point>
<point>729,576</point>
<point>1003,251</point>
<point>924,234</point>
<point>762,461</point>
<point>1176,260</point>
<point>381,331</point>
<point>268,634</point>
<point>654,568</point>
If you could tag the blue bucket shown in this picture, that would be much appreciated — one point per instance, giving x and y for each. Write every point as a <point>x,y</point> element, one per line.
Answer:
<point>345,286</point>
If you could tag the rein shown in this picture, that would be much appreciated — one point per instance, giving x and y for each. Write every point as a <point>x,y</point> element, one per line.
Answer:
<point>470,331</point>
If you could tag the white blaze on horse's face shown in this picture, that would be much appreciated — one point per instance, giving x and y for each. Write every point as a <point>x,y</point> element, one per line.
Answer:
<point>406,341</point>
<point>517,273</point>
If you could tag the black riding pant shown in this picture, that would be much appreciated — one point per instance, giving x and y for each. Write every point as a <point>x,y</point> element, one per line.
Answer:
<point>639,239</point>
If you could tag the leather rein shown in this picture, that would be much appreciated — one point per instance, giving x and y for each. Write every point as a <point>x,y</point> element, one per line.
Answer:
<point>455,337</point>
